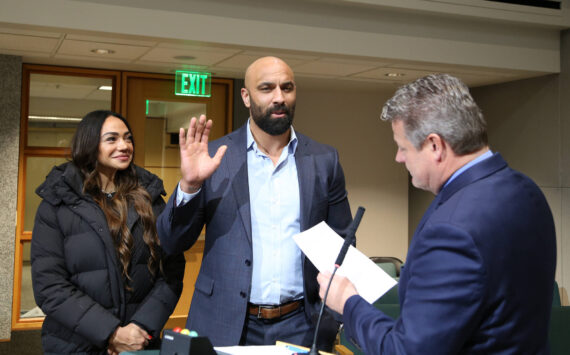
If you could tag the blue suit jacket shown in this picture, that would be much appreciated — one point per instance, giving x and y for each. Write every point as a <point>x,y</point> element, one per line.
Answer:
<point>219,303</point>
<point>479,273</point>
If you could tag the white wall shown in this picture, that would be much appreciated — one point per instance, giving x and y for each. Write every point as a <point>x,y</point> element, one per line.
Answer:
<point>350,121</point>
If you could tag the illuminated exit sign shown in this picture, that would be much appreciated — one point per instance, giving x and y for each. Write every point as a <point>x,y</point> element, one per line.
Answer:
<point>191,83</point>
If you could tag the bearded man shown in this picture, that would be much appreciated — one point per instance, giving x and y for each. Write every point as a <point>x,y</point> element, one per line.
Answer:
<point>265,183</point>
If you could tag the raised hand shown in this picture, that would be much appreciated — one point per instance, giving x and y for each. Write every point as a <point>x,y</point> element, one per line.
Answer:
<point>196,165</point>
<point>128,338</point>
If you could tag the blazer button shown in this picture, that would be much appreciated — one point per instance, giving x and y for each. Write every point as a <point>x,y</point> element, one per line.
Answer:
<point>242,294</point>
<point>247,262</point>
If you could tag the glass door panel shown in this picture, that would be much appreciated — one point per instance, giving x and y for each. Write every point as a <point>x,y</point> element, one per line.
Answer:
<point>57,104</point>
<point>162,125</point>
<point>28,307</point>
<point>37,169</point>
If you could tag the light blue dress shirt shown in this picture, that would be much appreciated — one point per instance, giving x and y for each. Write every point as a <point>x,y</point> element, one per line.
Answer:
<point>275,219</point>
<point>277,275</point>
<point>458,172</point>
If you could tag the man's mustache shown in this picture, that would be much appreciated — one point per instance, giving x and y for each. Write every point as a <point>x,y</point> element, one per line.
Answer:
<point>282,107</point>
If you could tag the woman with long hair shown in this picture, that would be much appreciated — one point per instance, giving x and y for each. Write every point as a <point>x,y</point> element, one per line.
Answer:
<point>98,271</point>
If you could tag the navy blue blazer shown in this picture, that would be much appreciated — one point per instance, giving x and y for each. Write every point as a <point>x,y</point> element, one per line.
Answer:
<point>219,303</point>
<point>479,273</point>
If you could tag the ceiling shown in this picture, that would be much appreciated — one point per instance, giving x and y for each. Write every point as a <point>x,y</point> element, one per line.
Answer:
<point>164,56</point>
<point>71,46</point>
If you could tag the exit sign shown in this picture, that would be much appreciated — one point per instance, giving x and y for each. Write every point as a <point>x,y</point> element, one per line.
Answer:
<point>192,83</point>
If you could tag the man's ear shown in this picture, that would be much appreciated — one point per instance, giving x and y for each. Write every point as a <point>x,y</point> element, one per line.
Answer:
<point>437,146</point>
<point>245,97</point>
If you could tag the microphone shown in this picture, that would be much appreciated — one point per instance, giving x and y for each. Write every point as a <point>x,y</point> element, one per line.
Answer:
<point>351,235</point>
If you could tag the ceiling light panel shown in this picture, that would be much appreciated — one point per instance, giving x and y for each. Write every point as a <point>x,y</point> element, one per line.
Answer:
<point>332,68</point>
<point>403,75</point>
<point>28,56</point>
<point>84,48</point>
<point>287,56</point>
<point>22,42</point>
<point>198,47</point>
<point>450,68</point>
<point>28,32</point>
<point>104,62</point>
<point>242,61</point>
<point>111,40</point>
<point>201,57</point>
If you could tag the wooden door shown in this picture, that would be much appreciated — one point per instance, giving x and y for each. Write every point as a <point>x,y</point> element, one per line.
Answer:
<point>155,114</point>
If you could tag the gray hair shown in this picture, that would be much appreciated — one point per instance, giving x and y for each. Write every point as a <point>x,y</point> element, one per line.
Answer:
<point>440,104</point>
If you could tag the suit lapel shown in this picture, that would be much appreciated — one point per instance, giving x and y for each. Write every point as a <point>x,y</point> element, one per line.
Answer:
<point>432,207</point>
<point>236,158</point>
<point>306,176</point>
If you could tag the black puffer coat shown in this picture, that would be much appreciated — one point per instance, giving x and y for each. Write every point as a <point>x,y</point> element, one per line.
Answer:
<point>75,269</point>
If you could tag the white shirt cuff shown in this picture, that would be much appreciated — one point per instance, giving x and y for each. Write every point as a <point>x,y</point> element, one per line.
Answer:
<point>182,197</point>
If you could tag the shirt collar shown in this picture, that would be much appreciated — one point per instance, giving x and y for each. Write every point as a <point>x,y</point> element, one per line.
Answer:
<point>251,144</point>
<point>459,171</point>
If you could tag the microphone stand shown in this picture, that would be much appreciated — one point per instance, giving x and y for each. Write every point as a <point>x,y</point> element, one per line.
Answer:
<point>340,258</point>
<point>314,350</point>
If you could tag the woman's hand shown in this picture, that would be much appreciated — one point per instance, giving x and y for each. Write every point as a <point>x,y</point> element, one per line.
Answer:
<point>128,338</point>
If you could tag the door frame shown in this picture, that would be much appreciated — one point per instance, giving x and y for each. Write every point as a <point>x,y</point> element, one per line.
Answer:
<point>119,104</point>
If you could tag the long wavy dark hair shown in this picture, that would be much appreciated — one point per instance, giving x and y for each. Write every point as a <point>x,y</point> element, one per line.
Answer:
<point>84,155</point>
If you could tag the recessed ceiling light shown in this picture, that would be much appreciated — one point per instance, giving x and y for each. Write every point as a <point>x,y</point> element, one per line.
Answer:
<point>394,75</point>
<point>184,57</point>
<point>102,51</point>
<point>105,87</point>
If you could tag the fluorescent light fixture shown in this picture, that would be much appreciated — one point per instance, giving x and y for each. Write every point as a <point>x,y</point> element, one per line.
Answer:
<point>32,118</point>
<point>105,87</point>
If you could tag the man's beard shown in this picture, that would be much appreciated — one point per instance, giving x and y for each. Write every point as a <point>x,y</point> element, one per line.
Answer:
<point>272,126</point>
